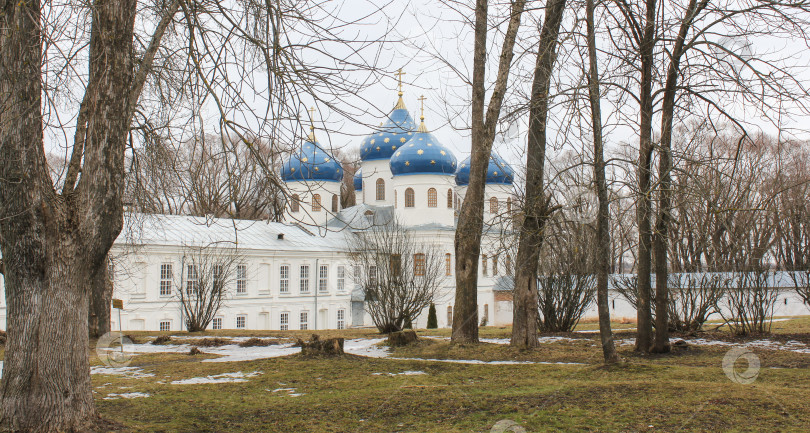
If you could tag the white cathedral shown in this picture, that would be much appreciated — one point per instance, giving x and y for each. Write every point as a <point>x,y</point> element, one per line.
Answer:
<point>297,274</point>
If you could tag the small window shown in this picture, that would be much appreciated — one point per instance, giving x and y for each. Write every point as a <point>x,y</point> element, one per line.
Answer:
<point>509,205</point>
<point>216,323</point>
<point>341,319</point>
<point>419,265</point>
<point>395,264</point>
<point>432,199</point>
<point>450,198</point>
<point>241,278</point>
<point>484,264</point>
<point>494,265</point>
<point>111,271</point>
<point>166,279</point>
<point>241,321</point>
<point>448,264</point>
<point>449,316</point>
<point>295,203</point>
<point>323,279</point>
<point>284,279</point>
<point>508,264</point>
<point>341,278</point>
<point>304,320</point>
<point>493,205</point>
<point>335,203</point>
<point>486,312</point>
<point>218,278</point>
<point>316,202</point>
<point>165,325</point>
<point>409,197</point>
<point>380,189</point>
<point>303,286</point>
<point>192,278</point>
<point>284,321</point>
<point>395,199</point>
<point>372,276</point>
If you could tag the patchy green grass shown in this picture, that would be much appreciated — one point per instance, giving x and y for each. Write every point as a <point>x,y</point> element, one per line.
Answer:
<point>683,391</point>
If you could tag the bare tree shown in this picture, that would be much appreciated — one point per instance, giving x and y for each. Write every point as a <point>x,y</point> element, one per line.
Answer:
<point>206,281</point>
<point>400,274</point>
<point>484,119</point>
<point>536,208</point>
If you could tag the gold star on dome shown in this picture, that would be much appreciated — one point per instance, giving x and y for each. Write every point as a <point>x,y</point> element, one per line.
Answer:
<point>420,139</point>
<point>305,159</point>
<point>432,161</point>
<point>386,140</point>
<point>378,147</point>
<point>494,173</point>
<point>372,141</point>
<point>430,144</point>
<point>407,163</point>
<point>410,145</point>
<point>443,152</point>
<point>402,140</point>
<point>463,165</point>
<point>380,134</point>
<point>292,168</point>
<point>393,148</point>
<point>420,151</point>
<point>326,159</point>
<point>316,169</point>
<point>399,153</point>
<point>410,133</point>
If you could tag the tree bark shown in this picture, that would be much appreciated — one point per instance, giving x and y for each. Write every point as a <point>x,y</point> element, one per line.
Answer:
<point>644,335</point>
<point>525,311</point>
<point>101,292</point>
<point>53,243</point>
<point>471,216</point>
<point>603,215</point>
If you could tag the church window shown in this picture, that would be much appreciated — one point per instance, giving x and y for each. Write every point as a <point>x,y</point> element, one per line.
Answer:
<point>216,323</point>
<point>508,264</point>
<point>304,320</point>
<point>335,203</point>
<point>380,189</point>
<point>484,264</point>
<point>493,205</point>
<point>284,321</point>
<point>450,198</point>
<point>494,265</point>
<point>449,316</point>
<point>409,198</point>
<point>509,205</point>
<point>166,279</point>
<point>165,325</point>
<point>323,278</point>
<point>316,202</point>
<point>241,278</point>
<point>341,319</point>
<point>432,199</point>
<point>341,278</point>
<point>303,286</point>
<point>295,203</point>
<point>448,264</point>
<point>241,321</point>
<point>419,265</point>
<point>284,279</point>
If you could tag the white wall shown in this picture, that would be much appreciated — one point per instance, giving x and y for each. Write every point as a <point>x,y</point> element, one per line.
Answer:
<point>420,213</point>
<point>306,191</point>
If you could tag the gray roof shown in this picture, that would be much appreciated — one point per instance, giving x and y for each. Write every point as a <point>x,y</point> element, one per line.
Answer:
<point>183,231</point>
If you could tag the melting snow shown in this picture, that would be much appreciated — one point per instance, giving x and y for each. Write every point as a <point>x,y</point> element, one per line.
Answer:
<point>218,378</point>
<point>133,372</point>
<point>404,373</point>
<point>126,395</point>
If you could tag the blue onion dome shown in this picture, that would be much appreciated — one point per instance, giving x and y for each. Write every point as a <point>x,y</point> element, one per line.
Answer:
<point>358,180</point>
<point>391,136</point>
<point>498,172</point>
<point>423,154</point>
<point>312,163</point>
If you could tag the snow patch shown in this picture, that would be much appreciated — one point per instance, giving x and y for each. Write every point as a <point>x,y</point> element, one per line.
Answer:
<point>126,395</point>
<point>404,373</point>
<point>218,378</point>
<point>132,372</point>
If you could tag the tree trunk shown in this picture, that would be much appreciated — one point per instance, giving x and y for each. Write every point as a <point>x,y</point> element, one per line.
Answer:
<point>471,216</point>
<point>525,311</point>
<point>101,292</point>
<point>54,244</point>
<point>603,215</point>
<point>644,204</point>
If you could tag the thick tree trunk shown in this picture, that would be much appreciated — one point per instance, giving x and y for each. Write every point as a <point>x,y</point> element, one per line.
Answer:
<point>525,311</point>
<point>53,244</point>
<point>101,292</point>
<point>644,203</point>
<point>471,216</point>
<point>603,214</point>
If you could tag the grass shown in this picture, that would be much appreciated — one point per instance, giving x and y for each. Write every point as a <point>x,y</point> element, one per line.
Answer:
<point>684,391</point>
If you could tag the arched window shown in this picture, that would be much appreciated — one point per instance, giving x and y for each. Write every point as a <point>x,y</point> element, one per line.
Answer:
<point>409,199</point>
<point>508,264</point>
<point>335,204</point>
<point>432,199</point>
<point>493,205</point>
<point>449,316</point>
<point>419,265</point>
<point>450,198</point>
<point>484,264</point>
<point>448,264</point>
<point>494,265</point>
<point>295,203</point>
<point>316,202</point>
<point>380,189</point>
<point>509,205</point>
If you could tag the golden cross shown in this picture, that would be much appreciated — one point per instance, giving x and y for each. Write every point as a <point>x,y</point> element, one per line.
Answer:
<point>421,100</point>
<point>400,74</point>
<point>311,118</point>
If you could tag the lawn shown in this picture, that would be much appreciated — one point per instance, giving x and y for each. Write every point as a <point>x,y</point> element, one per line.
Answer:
<point>684,391</point>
